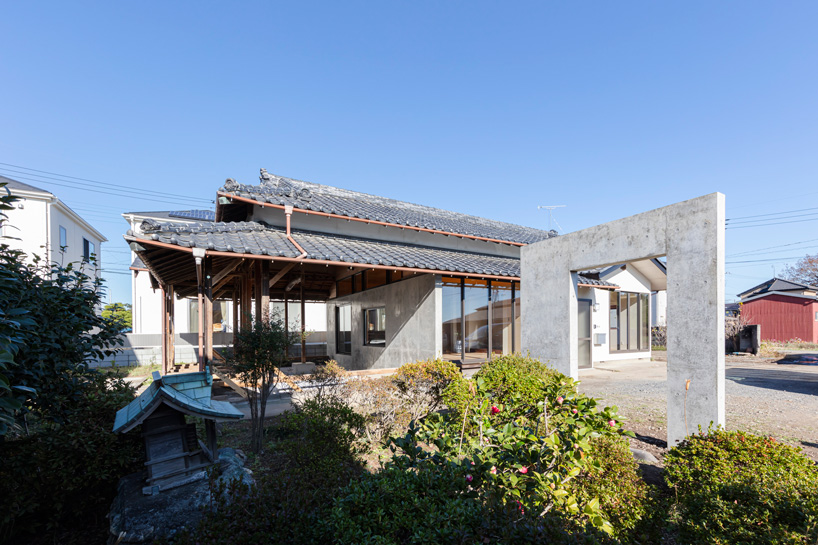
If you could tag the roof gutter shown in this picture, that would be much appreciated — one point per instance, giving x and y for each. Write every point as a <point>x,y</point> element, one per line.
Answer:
<point>363,220</point>
<point>320,261</point>
<point>288,211</point>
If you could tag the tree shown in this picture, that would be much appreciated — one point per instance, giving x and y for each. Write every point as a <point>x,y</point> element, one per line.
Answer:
<point>119,314</point>
<point>805,271</point>
<point>258,352</point>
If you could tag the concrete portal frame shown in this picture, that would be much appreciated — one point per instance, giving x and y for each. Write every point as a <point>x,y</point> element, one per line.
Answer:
<point>691,235</point>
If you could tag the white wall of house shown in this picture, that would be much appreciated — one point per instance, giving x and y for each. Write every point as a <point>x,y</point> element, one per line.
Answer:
<point>658,308</point>
<point>34,227</point>
<point>629,280</point>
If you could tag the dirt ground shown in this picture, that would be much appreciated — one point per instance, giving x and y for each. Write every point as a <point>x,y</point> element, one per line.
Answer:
<point>762,397</point>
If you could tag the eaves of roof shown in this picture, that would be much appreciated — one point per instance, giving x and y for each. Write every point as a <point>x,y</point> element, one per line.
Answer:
<point>259,240</point>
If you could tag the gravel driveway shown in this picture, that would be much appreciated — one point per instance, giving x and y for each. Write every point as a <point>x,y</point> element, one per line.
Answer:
<point>763,397</point>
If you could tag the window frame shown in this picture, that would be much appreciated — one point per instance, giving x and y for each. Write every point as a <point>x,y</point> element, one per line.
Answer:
<point>63,238</point>
<point>378,342</point>
<point>622,330</point>
<point>339,342</point>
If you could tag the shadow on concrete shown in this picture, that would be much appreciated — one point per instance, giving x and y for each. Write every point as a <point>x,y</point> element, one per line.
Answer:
<point>661,443</point>
<point>808,444</point>
<point>799,358</point>
<point>783,380</point>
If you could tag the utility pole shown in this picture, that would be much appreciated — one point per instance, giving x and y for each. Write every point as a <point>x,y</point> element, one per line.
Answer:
<point>551,214</point>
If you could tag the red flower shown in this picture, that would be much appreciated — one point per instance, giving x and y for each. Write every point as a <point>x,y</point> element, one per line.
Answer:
<point>560,399</point>
<point>574,411</point>
<point>612,423</point>
<point>494,409</point>
<point>493,470</point>
<point>523,470</point>
<point>469,478</point>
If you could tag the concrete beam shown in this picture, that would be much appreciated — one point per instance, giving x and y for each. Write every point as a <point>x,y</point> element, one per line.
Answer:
<point>691,235</point>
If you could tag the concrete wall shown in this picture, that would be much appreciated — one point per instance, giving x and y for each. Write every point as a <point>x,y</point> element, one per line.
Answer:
<point>691,235</point>
<point>412,326</point>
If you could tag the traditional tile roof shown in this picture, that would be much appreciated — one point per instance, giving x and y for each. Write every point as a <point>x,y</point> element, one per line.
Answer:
<point>590,281</point>
<point>282,191</point>
<point>187,392</point>
<point>261,239</point>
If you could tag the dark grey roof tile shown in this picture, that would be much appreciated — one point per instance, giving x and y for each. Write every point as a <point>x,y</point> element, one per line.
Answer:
<point>306,195</point>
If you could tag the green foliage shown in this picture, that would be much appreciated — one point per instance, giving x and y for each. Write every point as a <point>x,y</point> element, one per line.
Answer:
<point>61,332</point>
<point>511,379</point>
<point>523,432</point>
<point>439,505</point>
<point>316,455</point>
<point>257,354</point>
<point>66,473</point>
<point>428,378</point>
<point>119,314</point>
<point>623,495</point>
<point>320,441</point>
<point>735,487</point>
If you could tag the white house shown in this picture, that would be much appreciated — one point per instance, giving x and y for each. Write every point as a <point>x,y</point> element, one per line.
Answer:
<point>615,317</point>
<point>41,224</point>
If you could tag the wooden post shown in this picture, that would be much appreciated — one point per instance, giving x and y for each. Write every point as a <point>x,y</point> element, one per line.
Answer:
<point>235,309</point>
<point>164,331</point>
<point>208,315</point>
<point>303,339</point>
<point>246,297</point>
<point>287,325</point>
<point>170,294</point>
<point>262,282</point>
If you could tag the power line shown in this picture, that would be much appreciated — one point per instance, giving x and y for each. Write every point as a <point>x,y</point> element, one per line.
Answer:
<point>772,214</point>
<point>94,182</point>
<point>98,191</point>
<point>769,224</point>
<point>770,260</point>
<point>774,219</point>
<point>773,247</point>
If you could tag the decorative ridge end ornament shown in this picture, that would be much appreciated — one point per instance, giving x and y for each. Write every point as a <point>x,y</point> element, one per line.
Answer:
<point>231,185</point>
<point>148,226</point>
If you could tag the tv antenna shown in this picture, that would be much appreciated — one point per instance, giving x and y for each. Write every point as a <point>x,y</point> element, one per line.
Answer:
<point>551,214</point>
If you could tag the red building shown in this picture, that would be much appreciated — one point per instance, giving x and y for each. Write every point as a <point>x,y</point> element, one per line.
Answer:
<point>784,309</point>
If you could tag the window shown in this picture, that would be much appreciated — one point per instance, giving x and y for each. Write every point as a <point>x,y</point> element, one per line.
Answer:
<point>629,322</point>
<point>88,252</point>
<point>375,320</point>
<point>63,238</point>
<point>343,329</point>
<point>219,315</point>
<point>468,333</point>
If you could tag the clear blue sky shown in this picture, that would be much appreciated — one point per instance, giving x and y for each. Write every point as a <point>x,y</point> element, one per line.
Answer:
<point>489,108</point>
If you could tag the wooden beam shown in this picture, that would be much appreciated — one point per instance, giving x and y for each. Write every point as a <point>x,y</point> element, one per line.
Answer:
<point>280,274</point>
<point>165,357</point>
<point>226,270</point>
<point>171,293</point>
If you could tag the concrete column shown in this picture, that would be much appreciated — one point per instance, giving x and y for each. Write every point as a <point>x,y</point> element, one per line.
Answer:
<point>691,234</point>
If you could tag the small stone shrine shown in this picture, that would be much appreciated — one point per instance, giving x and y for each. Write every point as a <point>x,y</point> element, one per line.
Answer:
<point>175,455</point>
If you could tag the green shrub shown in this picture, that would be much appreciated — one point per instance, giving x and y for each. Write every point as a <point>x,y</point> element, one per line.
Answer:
<point>320,441</point>
<point>517,447</point>
<point>617,483</point>
<point>508,377</point>
<point>314,452</point>
<point>735,487</point>
<point>66,474</point>
<point>437,505</point>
